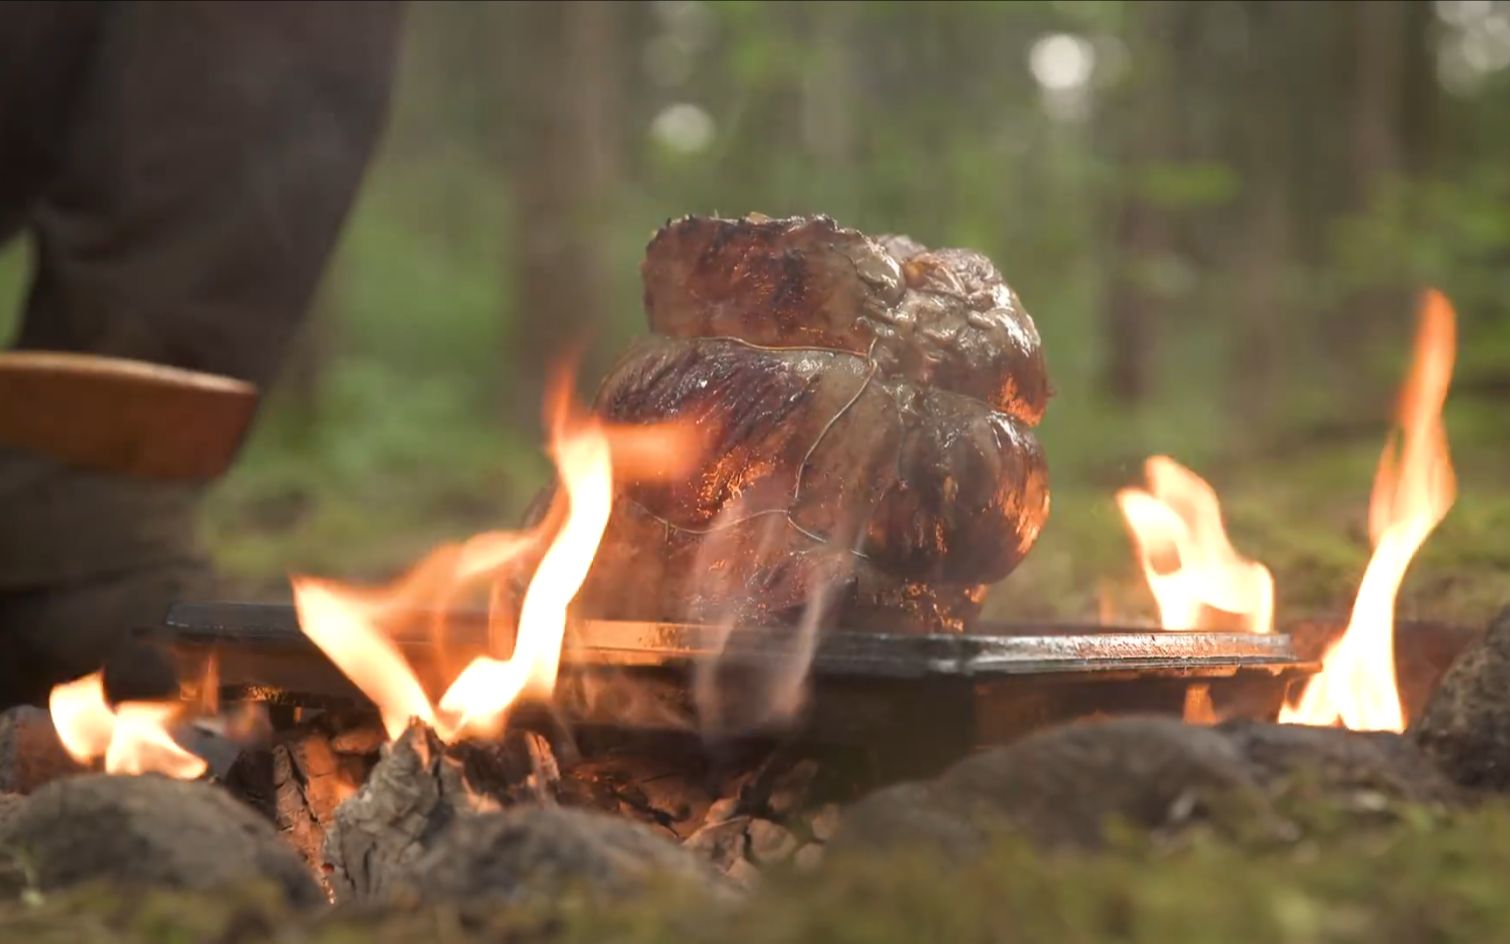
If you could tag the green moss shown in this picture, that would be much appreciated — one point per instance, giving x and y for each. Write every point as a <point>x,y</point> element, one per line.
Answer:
<point>1419,878</point>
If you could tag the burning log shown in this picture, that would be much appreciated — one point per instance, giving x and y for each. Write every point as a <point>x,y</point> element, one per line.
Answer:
<point>411,796</point>
<point>298,780</point>
<point>308,786</point>
<point>149,831</point>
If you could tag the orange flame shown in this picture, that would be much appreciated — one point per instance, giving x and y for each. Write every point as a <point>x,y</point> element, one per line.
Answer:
<point>132,739</point>
<point>349,624</point>
<point>1413,490</point>
<point>1189,563</point>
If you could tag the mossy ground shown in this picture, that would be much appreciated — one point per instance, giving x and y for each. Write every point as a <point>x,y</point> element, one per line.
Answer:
<point>1422,878</point>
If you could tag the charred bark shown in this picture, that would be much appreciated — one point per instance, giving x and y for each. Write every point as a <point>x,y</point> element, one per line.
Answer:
<point>413,794</point>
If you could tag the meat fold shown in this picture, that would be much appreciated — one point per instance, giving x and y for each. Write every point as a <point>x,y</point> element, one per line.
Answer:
<point>921,483</point>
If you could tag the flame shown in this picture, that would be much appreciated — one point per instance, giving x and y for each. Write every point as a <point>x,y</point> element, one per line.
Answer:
<point>1413,490</point>
<point>350,625</point>
<point>132,739</point>
<point>486,688</point>
<point>1187,559</point>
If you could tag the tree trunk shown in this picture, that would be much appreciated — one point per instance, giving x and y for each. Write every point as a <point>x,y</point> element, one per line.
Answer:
<point>1144,128</point>
<point>566,165</point>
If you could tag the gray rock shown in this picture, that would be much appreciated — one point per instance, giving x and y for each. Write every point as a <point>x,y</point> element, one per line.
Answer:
<point>30,752</point>
<point>1339,763</point>
<point>915,814</point>
<point>1064,786</point>
<point>149,831</point>
<point>535,853</point>
<point>1465,727</point>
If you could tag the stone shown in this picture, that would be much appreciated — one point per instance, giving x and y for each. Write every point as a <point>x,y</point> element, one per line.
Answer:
<point>1064,786</point>
<point>1465,727</point>
<point>534,853</point>
<point>1341,764</point>
<point>30,752</point>
<point>912,814</point>
<point>150,831</point>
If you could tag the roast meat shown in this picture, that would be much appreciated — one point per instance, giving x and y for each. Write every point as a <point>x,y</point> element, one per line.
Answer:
<point>865,410</point>
<point>939,318</point>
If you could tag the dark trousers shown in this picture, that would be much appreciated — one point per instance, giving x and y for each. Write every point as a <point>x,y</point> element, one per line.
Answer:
<point>182,171</point>
<point>184,168</point>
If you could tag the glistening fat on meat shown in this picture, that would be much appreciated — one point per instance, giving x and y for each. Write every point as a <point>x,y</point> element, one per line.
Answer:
<point>866,409</point>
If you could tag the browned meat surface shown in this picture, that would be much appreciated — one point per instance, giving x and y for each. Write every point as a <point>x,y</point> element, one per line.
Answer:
<point>866,411</point>
<point>943,318</point>
<point>924,483</point>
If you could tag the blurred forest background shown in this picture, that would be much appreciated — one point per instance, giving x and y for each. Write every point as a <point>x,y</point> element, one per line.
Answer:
<point>1218,213</point>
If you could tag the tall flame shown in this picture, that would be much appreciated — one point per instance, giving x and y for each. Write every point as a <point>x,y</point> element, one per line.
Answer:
<point>350,624</point>
<point>1191,567</point>
<point>1413,490</point>
<point>487,687</point>
<point>133,738</point>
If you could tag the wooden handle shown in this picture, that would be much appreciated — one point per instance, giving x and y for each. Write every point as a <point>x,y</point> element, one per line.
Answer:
<point>124,416</point>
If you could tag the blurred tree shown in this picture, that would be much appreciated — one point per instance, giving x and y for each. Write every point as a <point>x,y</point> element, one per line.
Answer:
<point>1140,126</point>
<point>567,150</point>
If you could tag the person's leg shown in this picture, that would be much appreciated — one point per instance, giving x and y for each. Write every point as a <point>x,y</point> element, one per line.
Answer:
<point>212,156</point>
<point>44,49</point>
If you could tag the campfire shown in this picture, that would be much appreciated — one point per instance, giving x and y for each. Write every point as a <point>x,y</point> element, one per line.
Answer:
<point>1198,579</point>
<point>720,624</point>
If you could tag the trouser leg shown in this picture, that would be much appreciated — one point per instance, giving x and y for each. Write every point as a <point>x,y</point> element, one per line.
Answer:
<point>211,155</point>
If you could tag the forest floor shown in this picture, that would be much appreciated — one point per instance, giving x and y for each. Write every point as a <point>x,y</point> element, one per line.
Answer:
<point>1415,880</point>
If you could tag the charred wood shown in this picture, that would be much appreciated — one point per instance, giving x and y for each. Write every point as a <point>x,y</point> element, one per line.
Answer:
<point>412,795</point>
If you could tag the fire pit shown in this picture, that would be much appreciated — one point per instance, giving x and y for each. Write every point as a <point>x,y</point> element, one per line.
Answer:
<point>916,701</point>
<point>751,600</point>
